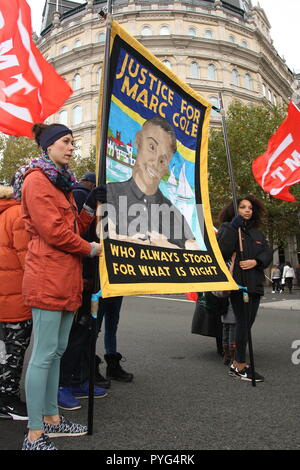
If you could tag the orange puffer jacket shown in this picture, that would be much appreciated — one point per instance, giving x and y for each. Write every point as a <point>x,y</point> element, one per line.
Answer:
<point>13,247</point>
<point>53,268</point>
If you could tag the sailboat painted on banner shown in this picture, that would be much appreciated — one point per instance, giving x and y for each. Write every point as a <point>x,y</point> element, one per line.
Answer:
<point>184,191</point>
<point>172,178</point>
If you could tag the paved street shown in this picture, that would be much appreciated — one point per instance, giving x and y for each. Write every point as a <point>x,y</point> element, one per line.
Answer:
<point>182,397</point>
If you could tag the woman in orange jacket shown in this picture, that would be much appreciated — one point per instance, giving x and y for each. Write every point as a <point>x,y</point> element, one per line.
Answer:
<point>52,283</point>
<point>15,317</point>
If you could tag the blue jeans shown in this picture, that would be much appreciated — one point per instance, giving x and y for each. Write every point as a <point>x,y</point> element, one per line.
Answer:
<point>109,309</point>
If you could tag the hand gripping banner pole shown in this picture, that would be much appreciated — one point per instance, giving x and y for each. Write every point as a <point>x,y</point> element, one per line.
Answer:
<point>101,180</point>
<point>243,273</point>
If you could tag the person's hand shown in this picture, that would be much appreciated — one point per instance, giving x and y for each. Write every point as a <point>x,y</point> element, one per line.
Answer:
<point>98,194</point>
<point>96,249</point>
<point>248,264</point>
<point>237,221</point>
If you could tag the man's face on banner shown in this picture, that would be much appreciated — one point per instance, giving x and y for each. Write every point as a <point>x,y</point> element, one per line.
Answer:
<point>154,146</point>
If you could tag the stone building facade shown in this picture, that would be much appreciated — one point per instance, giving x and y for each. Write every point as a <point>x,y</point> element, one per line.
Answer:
<point>212,45</point>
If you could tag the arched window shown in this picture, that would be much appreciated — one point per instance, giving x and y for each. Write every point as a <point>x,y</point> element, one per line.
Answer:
<point>76,82</point>
<point>245,44</point>
<point>208,34</point>
<point>101,38</point>
<point>215,102</point>
<point>275,100</point>
<point>146,31</point>
<point>194,70</point>
<point>211,72</point>
<point>63,117</point>
<point>77,43</point>
<point>167,63</point>
<point>235,77</point>
<point>231,39</point>
<point>77,115</point>
<point>64,49</point>
<point>99,75</point>
<point>269,95</point>
<point>192,32</point>
<point>248,81</point>
<point>264,90</point>
<point>164,31</point>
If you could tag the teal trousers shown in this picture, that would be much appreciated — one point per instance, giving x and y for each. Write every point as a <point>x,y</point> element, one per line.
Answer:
<point>50,338</point>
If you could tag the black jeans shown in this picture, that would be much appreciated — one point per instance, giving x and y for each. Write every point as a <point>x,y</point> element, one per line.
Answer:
<point>276,285</point>
<point>75,363</point>
<point>241,335</point>
<point>78,346</point>
<point>289,283</point>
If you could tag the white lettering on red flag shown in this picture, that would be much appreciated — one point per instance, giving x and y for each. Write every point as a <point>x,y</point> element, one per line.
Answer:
<point>279,168</point>
<point>30,88</point>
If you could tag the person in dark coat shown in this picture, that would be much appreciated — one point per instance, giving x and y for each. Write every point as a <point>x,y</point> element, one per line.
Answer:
<point>74,375</point>
<point>257,256</point>
<point>207,317</point>
<point>75,363</point>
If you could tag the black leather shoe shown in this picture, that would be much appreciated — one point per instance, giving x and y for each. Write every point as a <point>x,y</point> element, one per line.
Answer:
<point>114,370</point>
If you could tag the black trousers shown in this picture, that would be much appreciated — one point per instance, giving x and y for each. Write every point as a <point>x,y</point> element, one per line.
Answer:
<point>276,285</point>
<point>75,362</point>
<point>15,339</point>
<point>289,283</point>
<point>241,331</point>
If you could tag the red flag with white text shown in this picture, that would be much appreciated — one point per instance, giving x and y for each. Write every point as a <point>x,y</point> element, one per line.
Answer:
<point>30,88</point>
<point>279,168</point>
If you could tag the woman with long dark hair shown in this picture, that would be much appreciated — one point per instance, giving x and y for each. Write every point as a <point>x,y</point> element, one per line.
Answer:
<point>257,257</point>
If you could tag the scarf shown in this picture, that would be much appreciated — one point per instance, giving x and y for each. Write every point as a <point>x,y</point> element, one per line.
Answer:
<point>62,178</point>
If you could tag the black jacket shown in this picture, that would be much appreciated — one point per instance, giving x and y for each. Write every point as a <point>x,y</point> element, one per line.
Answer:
<point>255,247</point>
<point>80,194</point>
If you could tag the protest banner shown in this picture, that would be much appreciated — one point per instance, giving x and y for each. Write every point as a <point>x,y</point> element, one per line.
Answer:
<point>157,231</point>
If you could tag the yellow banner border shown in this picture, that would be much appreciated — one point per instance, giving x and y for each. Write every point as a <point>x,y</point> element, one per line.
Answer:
<point>111,290</point>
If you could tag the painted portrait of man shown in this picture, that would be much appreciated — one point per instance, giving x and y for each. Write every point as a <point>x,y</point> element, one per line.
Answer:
<point>138,210</point>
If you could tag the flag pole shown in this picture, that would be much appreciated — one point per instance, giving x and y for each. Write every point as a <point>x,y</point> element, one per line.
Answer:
<point>101,180</point>
<point>243,273</point>
<point>105,97</point>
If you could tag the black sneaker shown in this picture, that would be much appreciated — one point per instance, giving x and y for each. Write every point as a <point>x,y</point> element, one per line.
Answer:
<point>43,443</point>
<point>13,408</point>
<point>246,374</point>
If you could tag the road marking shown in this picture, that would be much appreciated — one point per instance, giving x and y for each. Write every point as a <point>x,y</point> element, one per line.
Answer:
<point>164,298</point>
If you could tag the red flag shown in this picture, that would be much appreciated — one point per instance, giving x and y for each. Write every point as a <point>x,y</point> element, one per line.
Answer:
<point>279,168</point>
<point>30,88</point>
<point>192,296</point>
